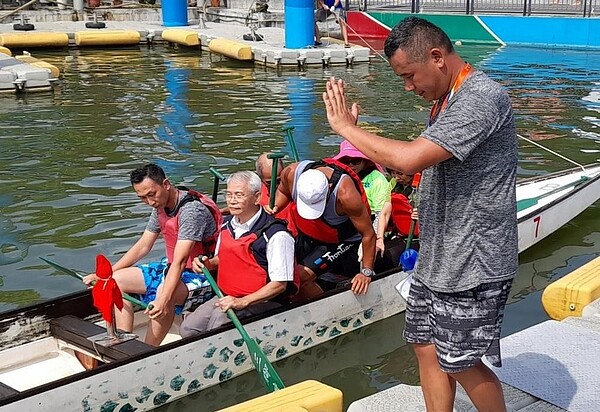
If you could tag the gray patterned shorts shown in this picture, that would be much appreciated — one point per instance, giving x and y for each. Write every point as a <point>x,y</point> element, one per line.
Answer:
<point>463,326</point>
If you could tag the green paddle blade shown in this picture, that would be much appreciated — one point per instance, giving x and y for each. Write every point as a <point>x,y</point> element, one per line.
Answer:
<point>265,369</point>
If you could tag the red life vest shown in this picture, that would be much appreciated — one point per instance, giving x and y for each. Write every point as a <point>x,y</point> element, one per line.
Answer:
<point>169,226</point>
<point>401,210</point>
<point>243,267</point>
<point>319,229</point>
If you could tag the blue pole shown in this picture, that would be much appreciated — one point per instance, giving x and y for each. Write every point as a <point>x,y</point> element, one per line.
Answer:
<point>299,20</point>
<point>174,13</point>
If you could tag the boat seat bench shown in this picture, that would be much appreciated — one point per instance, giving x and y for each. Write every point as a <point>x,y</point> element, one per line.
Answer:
<point>76,331</point>
<point>6,391</point>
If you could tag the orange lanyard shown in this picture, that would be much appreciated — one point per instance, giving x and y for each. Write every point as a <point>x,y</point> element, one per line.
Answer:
<point>441,103</point>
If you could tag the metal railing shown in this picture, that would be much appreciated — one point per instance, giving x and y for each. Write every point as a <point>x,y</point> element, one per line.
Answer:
<point>585,8</point>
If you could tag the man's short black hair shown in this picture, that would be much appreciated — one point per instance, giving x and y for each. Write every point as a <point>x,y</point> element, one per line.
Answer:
<point>416,36</point>
<point>152,171</point>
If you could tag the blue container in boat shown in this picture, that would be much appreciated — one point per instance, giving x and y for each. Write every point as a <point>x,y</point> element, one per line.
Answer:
<point>174,13</point>
<point>299,20</point>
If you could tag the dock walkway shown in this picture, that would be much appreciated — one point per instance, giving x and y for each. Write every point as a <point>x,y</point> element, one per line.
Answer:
<point>221,38</point>
<point>552,366</point>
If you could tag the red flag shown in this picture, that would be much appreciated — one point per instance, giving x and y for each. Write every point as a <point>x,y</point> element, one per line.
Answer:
<point>105,292</point>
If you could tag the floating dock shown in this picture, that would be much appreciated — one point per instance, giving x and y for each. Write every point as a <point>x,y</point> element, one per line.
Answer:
<point>25,73</point>
<point>552,366</point>
<point>223,39</point>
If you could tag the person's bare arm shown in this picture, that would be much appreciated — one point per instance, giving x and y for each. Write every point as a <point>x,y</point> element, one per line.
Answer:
<point>352,205</point>
<point>409,157</point>
<point>140,249</point>
<point>267,292</point>
<point>283,196</point>
<point>384,218</point>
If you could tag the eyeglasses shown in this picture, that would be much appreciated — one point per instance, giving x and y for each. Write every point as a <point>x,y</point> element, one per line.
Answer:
<point>235,195</point>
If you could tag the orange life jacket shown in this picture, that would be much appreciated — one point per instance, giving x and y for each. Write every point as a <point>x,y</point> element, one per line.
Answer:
<point>243,267</point>
<point>401,210</point>
<point>169,226</point>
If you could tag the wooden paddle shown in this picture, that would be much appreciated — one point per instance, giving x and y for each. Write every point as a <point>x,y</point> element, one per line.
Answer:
<point>273,188</point>
<point>532,201</point>
<point>290,139</point>
<point>265,369</point>
<point>218,177</point>
<point>80,276</point>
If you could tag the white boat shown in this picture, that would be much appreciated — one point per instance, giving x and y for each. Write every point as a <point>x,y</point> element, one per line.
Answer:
<point>41,345</point>
<point>544,204</point>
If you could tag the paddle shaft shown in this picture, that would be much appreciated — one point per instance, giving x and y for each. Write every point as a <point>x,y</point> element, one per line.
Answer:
<point>289,130</point>
<point>413,222</point>
<point>218,177</point>
<point>275,157</point>
<point>265,369</point>
<point>411,232</point>
<point>80,276</point>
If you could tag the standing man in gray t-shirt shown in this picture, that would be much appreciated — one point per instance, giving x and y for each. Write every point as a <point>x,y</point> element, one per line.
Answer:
<point>468,229</point>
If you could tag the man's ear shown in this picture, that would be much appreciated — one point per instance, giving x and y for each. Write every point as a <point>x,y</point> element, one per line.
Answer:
<point>257,197</point>
<point>437,56</point>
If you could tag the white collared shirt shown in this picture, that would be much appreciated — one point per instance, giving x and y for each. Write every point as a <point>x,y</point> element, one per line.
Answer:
<point>280,249</point>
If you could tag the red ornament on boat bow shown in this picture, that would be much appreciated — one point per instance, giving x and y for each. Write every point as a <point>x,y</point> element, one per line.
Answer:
<point>105,292</point>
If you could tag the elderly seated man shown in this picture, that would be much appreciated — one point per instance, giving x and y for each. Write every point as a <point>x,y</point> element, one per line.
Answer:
<point>254,260</point>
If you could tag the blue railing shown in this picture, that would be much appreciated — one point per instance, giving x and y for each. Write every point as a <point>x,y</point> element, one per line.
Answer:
<point>585,8</point>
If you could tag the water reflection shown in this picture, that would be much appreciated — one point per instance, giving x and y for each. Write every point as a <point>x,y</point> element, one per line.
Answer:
<point>177,115</point>
<point>548,88</point>
<point>302,100</point>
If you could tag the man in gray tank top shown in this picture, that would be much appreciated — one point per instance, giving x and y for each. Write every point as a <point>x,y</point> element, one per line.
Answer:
<point>467,214</point>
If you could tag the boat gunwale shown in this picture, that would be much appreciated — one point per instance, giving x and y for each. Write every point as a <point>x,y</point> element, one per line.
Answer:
<point>558,173</point>
<point>37,390</point>
<point>576,189</point>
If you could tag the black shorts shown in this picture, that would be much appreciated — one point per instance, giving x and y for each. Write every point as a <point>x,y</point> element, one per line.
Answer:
<point>341,259</point>
<point>463,326</point>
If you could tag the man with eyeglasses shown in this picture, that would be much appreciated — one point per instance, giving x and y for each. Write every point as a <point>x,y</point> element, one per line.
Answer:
<point>188,222</point>
<point>254,260</point>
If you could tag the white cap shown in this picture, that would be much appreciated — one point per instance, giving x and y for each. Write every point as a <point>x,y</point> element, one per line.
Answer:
<point>312,189</point>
